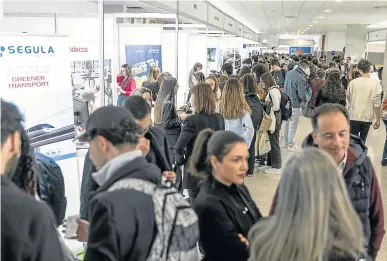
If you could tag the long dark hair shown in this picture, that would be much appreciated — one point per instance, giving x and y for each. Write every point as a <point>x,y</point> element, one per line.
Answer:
<point>333,88</point>
<point>210,143</point>
<point>128,74</point>
<point>166,94</point>
<point>199,76</point>
<point>268,80</point>
<point>249,84</point>
<point>25,174</point>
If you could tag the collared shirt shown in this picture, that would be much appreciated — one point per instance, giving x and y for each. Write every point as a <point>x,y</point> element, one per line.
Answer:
<point>108,170</point>
<point>343,163</point>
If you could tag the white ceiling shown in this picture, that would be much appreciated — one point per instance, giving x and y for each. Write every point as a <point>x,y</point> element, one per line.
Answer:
<point>284,16</point>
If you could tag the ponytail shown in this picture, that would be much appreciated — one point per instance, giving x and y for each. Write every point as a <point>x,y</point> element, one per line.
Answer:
<point>199,164</point>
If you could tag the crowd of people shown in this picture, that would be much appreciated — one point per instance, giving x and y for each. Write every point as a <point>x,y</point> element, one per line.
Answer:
<point>145,152</point>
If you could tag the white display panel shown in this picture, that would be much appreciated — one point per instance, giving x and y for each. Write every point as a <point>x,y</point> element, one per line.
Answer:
<point>35,75</point>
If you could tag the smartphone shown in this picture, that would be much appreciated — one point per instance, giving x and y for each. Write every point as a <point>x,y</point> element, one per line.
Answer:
<point>71,227</point>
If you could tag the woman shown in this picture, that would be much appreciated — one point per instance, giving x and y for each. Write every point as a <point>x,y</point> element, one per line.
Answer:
<point>126,83</point>
<point>144,93</point>
<point>332,91</point>
<point>236,111</point>
<point>255,104</point>
<point>274,160</point>
<point>244,70</point>
<point>258,70</point>
<point>203,101</point>
<point>353,73</point>
<point>310,183</point>
<point>165,115</point>
<point>198,78</point>
<point>151,81</point>
<point>213,82</point>
<point>224,206</point>
<point>191,78</point>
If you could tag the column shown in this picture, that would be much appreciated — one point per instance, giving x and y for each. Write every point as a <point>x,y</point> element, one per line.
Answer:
<point>384,77</point>
<point>356,41</point>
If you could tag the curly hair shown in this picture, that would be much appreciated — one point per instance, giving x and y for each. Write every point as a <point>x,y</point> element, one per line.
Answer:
<point>333,90</point>
<point>258,70</point>
<point>25,174</point>
<point>249,84</point>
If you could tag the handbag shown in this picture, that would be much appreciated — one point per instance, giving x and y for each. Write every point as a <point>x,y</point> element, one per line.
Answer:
<point>307,111</point>
<point>266,122</point>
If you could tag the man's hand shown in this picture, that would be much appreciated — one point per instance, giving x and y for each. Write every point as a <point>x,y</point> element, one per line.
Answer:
<point>143,145</point>
<point>243,239</point>
<point>377,124</point>
<point>170,176</point>
<point>82,230</point>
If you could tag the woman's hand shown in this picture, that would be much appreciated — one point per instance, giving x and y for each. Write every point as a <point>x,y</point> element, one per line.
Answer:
<point>82,230</point>
<point>184,116</point>
<point>170,176</point>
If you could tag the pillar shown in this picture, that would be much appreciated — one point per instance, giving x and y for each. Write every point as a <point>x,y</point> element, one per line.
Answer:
<point>356,38</point>
<point>384,77</point>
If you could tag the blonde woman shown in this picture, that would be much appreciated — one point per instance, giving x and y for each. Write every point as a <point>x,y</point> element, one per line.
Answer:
<point>236,111</point>
<point>314,219</point>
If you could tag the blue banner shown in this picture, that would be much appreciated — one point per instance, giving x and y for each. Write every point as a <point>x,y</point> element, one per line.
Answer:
<point>299,50</point>
<point>142,58</point>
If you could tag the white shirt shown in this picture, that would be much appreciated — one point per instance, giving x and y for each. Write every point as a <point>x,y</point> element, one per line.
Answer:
<point>343,163</point>
<point>275,95</point>
<point>363,95</point>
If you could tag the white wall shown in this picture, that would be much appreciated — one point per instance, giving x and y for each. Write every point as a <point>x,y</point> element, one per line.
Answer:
<point>375,47</point>
<point>335,41</point>
<point>33,25</point>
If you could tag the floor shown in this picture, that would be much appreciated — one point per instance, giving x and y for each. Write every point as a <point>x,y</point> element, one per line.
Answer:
<point>262,187</point>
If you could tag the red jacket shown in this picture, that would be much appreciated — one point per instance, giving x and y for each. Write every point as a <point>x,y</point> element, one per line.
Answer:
<point>376,215</point>
<point>130,85</point>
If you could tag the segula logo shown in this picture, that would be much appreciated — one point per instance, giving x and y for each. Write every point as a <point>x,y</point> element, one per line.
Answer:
<point>27,49</point>
<point>78,49</point>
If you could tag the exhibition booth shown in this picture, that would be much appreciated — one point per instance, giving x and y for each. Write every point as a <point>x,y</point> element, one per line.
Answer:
<point>52,67</point>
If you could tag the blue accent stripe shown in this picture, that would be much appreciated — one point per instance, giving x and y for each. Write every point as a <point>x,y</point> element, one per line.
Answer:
<point>65,156</point>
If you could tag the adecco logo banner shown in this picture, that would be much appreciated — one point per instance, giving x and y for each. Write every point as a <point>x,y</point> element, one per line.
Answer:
<point>75,49</point>
<point>27,50</point>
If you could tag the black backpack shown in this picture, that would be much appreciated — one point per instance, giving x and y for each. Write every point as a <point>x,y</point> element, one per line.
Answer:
<point>285,106</point>
<point>51,188</point>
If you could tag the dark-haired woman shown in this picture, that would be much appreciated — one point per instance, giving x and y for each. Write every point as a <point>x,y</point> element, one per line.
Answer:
<point>258,70</point>
<point>203,101</point>
<point>252,99</point>
<point>126,83</point>
<point>332,91</point>
<point>151,81</point>
<point>191,78</point>
<point>165,116</point>
<point>224,206</point>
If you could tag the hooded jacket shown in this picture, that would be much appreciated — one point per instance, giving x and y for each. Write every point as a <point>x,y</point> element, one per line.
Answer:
<point>364,192</point>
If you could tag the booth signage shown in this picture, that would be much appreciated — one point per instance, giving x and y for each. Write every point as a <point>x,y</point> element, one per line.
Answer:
<point>299,50</point>
<point>79,49</point>
<point>196,9</point>
<point>229,24</point>
<point>215,17</point>
<point>142,58</point>
<point>25,49</point>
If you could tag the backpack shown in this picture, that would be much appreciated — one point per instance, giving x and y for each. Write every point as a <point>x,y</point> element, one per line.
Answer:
<point>285,106</point>
<point>51,188</point>
<point>176,221</point>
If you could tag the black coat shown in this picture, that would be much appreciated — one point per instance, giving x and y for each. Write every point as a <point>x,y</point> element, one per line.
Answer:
<point>184,146</point>
<point>153,87</point>
<point>122,222</point>
<point>158,155</point>
<point>256,107</point>
<point>27,227</point>
<point>222,216</point>
<point>171,124</point>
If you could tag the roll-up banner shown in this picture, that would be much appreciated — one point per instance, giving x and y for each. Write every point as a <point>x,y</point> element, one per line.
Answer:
<point>142,58</point>
<point>35,76</point>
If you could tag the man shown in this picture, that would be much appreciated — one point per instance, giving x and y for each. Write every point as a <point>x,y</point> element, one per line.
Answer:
<point>153,143</point>
<point>122,222</point>
<point>364,101</point>
<point>27,226</point>
<point>295,88</point>
<point>331,133</point>
<point>278,73</point>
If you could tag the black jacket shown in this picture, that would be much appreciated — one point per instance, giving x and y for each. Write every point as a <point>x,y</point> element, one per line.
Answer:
<point>256,107</point>
<point>184,146</point>
<point>27,227</point>
<point>122,223</point>
<point>224,212</point>
<point>338,96</point>
<point>171,124</point>
<point>364,192</point>
<point>158,155</point>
